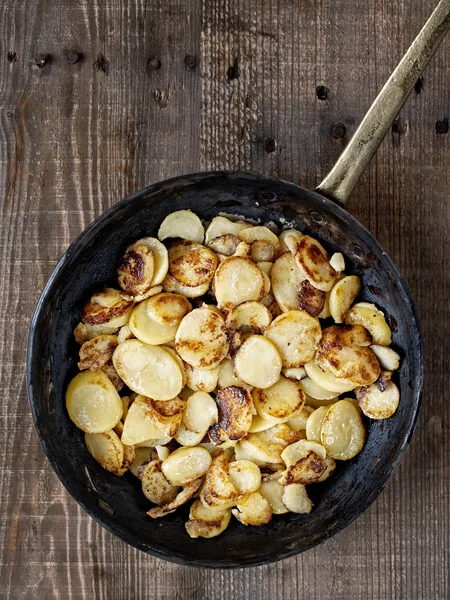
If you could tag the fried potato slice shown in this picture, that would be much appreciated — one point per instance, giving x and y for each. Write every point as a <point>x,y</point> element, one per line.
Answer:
<point>260,424</point>
<point>221,226</point>
<point>168,309</point>
<point>170,284</point>
<point>235,406</point>
<point>108,307</point>
<point>191,264</point>
<point>286,278</point>
<point>300,449</point>
<point>243,249</point>
<point>249,316</point>
<point>267,446</point>
<point>343,295</point>
<point>244,475</point>
<point>149,419</point>
<point>186,464</point>
<point>325,379</point>
<point>272,491</point>
<point>227,376</point>
<point>238,280</point>
<point>135,270</point>
<point>148,370</point>
<point>93,403</point>
<point>181,498</point>
<point>182,224</point>
<point>200,413</point>
<point>314,424</point>
<point>259,233</point>
<point>225,245</point>
<point>97,352</point>
<point>201,339</point>
<point>160,258</point>
<point>343,433</point>
<point>218,491</point>
<point>262,251</point>
<point>314,263</point>
<point>185,437</point>
<point>387,357</point>
<point>141,458</point>
<point>311,299</point>
<point>147,330</point>
<point>330,467</point>
<point>84,332</point>
<point>252,510</point>
<point>298,423</point>
<point>306,470</point>
<point>155,486</point>
<point>258,362</point>
<point>297,373</point>
<point>289,238</point>
<point>153,291</point>
<point>315,392</point>
<point>296,336</point>
<point>377,404</point>
<point>107,449</point>
<point>337,261</point>
<point>206,522</point>
<point>201,380</point>
<point>281,401</point>
<point>296,499</point>
<point>370,317</point>
<point>109,370</point>
<point>124,333</point>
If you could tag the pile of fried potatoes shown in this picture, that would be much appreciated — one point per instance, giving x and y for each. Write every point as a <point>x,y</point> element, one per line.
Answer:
<point>235,396</point>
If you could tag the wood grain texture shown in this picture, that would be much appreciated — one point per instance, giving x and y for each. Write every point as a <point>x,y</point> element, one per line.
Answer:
<point>75,138</point>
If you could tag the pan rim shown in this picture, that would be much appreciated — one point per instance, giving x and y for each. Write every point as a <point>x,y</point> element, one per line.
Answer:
<point>103,518</point>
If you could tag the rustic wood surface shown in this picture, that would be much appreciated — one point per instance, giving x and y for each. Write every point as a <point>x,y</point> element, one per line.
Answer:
<point>75,137</point>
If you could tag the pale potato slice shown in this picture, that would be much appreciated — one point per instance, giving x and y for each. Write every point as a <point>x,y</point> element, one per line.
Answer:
<point>148,370</point>
<point>243,249</point>
<point>326,380</point>
<point>160,258</point>
<point>343,433</point>
<point>298,423</point>
<point>97,352</point>
<point>200,413</point>
<point>260,424</point>
<point>316,392</point>
<point>267,446</point>
<point>310,299</point>
<point>267,285</point>
<point>296,336</point>
<point>262,250</point>
<point>186,464</point>
<point>387,357</point>
<point>206,522</point>
<point>313,403</point>
<point>153,442</point>
<point>227,376</point>
<point>265,266</point>
<point>258,362</point>
<point>289,238</point>
<point>149,419</point>
<point>218,491</point>
<point>314,424</point>
<point>126,402</point>
<point>286,278</point>
<point>182,224</point>
<point>281,401</point>
<point>235,406</point>
<point>370,317</point>
<point>146,329</point>
<point>325,314</point>
<point>224,245</point>
<point>141,458</point>
<point>296,499</point>
<point>108,307</point>
<point>253,510</point>
<point>201,380</point>
<point>135,269</point>
<point>238,280</point>
<point>222,226</point>
<point>168,309</point>
<point>201,339</point>
<point>93,403</point>
<point>155,486</point>
<point>181,498</point>
<point>179,360</point>
<point>377,404</point>
<point>331,466</point>
<point>107,450</point>
<point>259,233</point>
<point>170,284</point>
<point>337,261</point>
<point>297,373</point>
<point>191,264</point>
<point>272,491</point>
<point>124,333</point>
<point>249,316</point>
<point>342,296</point>
<point>185,437</point>
<point>244,475</point>
<point>84,332</point>
<point>153,291</point>
<point>162,452</point>
<point>314,263</point>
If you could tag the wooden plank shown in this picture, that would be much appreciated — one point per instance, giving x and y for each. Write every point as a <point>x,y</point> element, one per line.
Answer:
<point>75,138</point>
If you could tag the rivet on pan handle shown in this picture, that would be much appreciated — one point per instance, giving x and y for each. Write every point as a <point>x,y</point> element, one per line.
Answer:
<point>341,180</point>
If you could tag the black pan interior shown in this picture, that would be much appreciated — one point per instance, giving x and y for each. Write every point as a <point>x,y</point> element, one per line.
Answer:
<point>118,503</point>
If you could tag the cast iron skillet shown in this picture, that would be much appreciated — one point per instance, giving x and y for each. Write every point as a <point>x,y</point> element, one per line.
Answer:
<point>118,503</point>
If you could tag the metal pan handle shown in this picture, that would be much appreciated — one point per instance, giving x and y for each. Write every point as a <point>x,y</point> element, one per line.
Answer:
<point>354,160</point>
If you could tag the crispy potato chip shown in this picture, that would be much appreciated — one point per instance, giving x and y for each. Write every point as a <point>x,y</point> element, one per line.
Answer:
<point>258,362</point>
<point>206,522</point>
<point>296,336</point>
<point>201,339</point>
<point>182,224</point>
<point>377,404</point>
<point>343,434</point>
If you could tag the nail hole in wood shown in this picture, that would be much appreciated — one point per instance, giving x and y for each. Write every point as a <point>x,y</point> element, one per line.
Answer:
<point>339,131</point>
<point>270,145</point>
<point>12,57</point>
<point>73,57</point>
<point>153,64</point>
<point>190,62</point>
<point>419,86</point>
<point>102,64</point>
<point>234,70</point>
<point>40,60</point>
<point>398,128</point>
<point>442,126</point>
<point>322,92</point>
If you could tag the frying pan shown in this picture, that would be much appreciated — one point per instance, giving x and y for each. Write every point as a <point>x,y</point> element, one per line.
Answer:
<point>118,503</point>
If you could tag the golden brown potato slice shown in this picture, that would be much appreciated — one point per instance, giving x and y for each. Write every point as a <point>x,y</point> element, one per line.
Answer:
<point>244,475</point>
<point>160,258</point>
<point>201,339</point>
<point>93,403</point>
<point>267,446</point>
<point>387,357</point>
<point>109,370</point>
<point>281,401</point>
<point>249,316</point>
<point>342,296</point>
<point>311,299</point>
<point>181,498</point>
<point>289,238</point>
<point>149,419</point>
<point>155,486</point>
<point>300,449</point>
<point>135,270</point>
<point>191,264</point>
<point>153,291</point>
<point>258,362</point>
<point>306,470</point>
<point>253,509</point>
<point>200,413</point>
<point>170,284</point>
<point>314,424</point>
<point>377,404</point>
<point>108,307</point>
<point>201,380</point>
<point>235,408</point>
<point>296,336</point>
<point>107,450</point>
<point>168,309</point>
<point>222,226</point>
<point>206,522</point>
<point>148,370</point>
<point>314,263</point>
<point>84,332</point>
<point>296,499</point>
<point>238,280</point>
<point>97,352</point>
<point>218,491</point>
<point>343,433</point>
<point>286,278</point>
<point>370,317</point>
<point>182,224</point>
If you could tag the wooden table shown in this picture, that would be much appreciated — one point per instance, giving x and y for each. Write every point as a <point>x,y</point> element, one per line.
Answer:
<point>231,84</point>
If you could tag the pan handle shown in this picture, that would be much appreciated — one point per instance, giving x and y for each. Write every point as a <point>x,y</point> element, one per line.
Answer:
<point>352,163</point>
